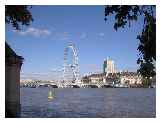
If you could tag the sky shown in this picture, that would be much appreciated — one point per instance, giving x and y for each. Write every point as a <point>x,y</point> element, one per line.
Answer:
<point>42,43</point>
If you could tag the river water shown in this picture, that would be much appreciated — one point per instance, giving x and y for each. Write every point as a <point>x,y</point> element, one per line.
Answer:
<point>89,102</point>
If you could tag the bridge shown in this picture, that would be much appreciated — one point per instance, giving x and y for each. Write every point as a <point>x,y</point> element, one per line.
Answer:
<point>62,84</point>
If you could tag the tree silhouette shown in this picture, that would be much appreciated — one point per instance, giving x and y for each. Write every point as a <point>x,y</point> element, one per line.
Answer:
<point>18,14</point>
<point>125,14</point>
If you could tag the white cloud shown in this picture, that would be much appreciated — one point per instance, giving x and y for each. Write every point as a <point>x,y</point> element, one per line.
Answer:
<point>34,32</point>
<point>101,34</point>
<point>61,36</point>
<point>83,35</point>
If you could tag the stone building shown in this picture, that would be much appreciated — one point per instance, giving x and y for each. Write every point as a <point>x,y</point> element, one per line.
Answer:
<point>124,78</point>
<point>96,78</point>
<point>130,78</point>
<point>85,80</point>
<point>13,64</point>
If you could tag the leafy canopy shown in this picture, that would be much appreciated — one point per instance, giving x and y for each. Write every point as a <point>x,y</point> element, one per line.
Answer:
<point>18,14</point>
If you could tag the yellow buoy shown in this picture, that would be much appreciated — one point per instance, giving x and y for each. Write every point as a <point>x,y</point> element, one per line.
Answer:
<point>50,95</point>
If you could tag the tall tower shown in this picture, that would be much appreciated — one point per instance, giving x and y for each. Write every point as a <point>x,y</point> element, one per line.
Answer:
<point>104,66</point>
<point>109,66</point>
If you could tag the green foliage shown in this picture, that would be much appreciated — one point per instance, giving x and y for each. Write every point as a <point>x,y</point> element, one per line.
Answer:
<point>17,14</point>
<point>123,14</point>
<point>146,82</point>
<point>147,47</point>
<point>147,69</point>
<point>147,39</point>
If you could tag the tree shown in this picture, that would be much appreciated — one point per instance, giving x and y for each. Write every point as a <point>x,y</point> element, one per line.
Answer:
<point>18,14</point>
<point>147,39</point>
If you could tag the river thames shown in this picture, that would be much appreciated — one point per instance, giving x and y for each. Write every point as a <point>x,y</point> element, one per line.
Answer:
<point>89,103</point>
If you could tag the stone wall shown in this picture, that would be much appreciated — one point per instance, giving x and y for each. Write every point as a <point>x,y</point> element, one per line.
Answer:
<point>12,86</point>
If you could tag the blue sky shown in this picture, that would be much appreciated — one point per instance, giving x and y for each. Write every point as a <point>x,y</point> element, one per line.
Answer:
<point>42,43</point>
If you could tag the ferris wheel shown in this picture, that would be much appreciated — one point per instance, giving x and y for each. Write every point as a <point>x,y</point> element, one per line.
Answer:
<point>71,70</point>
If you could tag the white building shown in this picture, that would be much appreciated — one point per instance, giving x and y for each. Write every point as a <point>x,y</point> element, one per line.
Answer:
<point>109,66</point>
<point>95,78</point>
<point>131,79</point>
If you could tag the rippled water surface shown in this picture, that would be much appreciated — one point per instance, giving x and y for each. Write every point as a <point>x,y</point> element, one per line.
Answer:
<point>89,102</point>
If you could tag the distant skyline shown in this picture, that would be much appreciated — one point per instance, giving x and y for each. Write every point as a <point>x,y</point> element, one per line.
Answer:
<point>42,43</point>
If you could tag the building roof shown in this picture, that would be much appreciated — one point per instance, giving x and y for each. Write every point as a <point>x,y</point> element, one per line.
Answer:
<point>11,57</point>
<point>10,53</point>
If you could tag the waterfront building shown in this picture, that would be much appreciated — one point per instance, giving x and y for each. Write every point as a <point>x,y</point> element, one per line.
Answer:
<point>124,78</point>
<point>85,80</point>
<point>130,78</point>
<point>96,78</point>
<point>109,66</point>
